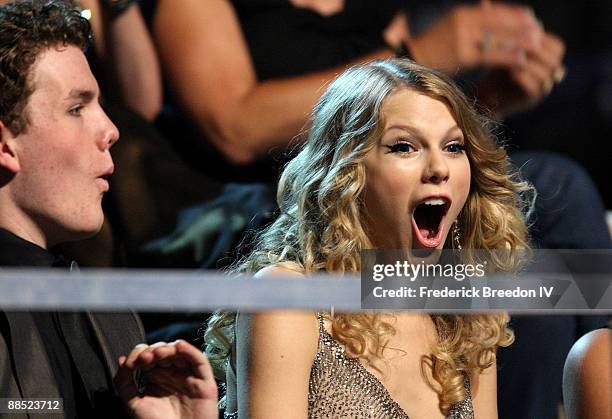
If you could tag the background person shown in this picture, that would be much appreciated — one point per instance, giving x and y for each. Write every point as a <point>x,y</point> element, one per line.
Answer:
<point>587,377</point>
<point>248,73</point>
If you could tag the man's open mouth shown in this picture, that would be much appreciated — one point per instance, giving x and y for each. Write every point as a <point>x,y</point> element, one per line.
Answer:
<point>428,221</point>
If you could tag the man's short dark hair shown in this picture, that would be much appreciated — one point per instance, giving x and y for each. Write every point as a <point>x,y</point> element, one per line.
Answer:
<point>27,28</point>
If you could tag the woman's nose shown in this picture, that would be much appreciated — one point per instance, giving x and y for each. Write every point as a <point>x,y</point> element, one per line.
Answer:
<point>436,170</point>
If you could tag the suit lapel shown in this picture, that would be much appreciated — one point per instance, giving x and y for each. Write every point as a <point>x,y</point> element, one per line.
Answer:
<point>117,334</point>
<point>33,374</point>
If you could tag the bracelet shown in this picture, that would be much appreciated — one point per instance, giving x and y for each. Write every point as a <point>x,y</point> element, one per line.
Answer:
<point>117,7</point>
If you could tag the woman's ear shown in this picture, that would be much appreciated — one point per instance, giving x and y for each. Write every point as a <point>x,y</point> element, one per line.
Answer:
<point>8,156</point>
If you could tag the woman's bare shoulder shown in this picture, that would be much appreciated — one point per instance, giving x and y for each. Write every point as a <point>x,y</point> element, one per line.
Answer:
<point>283,269</point>
<point>286,328</point>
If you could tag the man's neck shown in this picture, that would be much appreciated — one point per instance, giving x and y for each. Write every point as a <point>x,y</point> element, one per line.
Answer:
<point>20,224</point>
<point>25,234</point>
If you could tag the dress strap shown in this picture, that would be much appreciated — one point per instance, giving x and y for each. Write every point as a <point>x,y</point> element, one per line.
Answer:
<point>321,319</point>
<point>323,335</point>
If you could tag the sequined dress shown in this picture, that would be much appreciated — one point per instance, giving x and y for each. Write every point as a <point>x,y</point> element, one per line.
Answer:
<point>340,387</point>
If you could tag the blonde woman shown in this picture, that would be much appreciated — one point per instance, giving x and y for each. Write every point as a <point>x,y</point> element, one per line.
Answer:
<point>396,158</point>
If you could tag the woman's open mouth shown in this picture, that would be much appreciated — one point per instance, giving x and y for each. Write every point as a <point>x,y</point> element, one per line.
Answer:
<point>428,221</point>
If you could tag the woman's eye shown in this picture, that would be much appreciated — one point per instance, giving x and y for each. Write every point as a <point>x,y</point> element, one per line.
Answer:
<point>455,148</point>
<point>400,147</point>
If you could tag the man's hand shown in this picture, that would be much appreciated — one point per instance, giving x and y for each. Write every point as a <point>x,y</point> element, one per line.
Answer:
<point>176,382</point>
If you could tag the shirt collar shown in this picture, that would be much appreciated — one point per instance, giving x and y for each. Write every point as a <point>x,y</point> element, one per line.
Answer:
<point>15,251</point>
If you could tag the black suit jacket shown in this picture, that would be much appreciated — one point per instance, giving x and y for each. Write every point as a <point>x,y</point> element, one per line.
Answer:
<point>25,370</point>
<point>24,365</point>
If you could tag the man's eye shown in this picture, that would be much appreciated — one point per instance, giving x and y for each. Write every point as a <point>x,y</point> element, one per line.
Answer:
<point>400,147</point>
<point>76,111</point>
<point>455,148</point>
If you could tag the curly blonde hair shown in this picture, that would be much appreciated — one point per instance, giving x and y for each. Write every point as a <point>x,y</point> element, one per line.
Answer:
<point>320,227</point>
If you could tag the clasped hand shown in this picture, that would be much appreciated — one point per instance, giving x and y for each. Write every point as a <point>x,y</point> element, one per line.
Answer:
<point>508,39</point>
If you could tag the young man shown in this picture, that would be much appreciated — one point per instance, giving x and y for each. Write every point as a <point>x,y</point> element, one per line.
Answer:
<point>55,161</point>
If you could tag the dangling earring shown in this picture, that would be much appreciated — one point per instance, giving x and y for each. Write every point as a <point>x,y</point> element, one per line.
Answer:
<point>457,235</point>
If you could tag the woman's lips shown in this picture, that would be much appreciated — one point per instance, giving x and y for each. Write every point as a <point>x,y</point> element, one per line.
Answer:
<point>440,205</point>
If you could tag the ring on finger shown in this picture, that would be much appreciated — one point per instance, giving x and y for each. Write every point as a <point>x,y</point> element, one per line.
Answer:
<point>486,41</point>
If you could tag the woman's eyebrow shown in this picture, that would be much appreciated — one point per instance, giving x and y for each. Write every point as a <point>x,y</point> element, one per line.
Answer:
<point>412,132</point>
<point>452,130</point>
<point>418,133</point>
<point>404,127</point>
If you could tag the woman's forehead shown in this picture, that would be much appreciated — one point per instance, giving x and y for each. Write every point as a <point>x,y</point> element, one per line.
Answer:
<point>419,111</point>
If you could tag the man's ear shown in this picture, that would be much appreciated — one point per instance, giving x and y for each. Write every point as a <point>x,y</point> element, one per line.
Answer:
<point>8,155</point>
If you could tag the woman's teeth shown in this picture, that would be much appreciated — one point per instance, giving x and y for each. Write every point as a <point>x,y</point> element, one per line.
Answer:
<point>434,201</point>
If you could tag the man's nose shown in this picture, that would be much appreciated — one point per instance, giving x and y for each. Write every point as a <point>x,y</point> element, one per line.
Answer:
<point>436,170</point>
<point>110,133</point>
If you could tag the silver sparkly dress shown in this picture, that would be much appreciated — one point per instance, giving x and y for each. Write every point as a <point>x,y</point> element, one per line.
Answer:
<point>340,387</point>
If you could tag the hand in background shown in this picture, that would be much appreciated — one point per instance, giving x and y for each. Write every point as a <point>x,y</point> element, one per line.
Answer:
<point>469,37</point>
<point>177,382</point>
<point>518,89</point>
<point>129,61</point>
<point>523,59</point>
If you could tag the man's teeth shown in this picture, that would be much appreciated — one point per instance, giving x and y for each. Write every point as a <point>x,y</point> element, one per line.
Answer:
<point>434,201</point>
